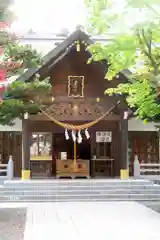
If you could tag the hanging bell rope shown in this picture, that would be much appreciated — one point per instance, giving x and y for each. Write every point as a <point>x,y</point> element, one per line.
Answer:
<point>75,157</point>
<point>78,127</point>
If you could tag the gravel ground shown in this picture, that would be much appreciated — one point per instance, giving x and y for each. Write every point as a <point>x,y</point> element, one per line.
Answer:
<point>12,223</point>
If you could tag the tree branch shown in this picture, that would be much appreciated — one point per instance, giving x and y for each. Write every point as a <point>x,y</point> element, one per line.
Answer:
<point>148,53</point>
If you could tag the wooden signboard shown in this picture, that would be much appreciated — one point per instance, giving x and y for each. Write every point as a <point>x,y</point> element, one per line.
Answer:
<point>103,136</point>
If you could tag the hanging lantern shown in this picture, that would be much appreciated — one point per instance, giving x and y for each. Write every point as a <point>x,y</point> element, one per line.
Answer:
<point>66,135</point>
<point>125,116</point>
<point>79,137</point>
<point>26,115</point>
<point>74,136</point>
<point>87,134</point>
<point>78,47</point>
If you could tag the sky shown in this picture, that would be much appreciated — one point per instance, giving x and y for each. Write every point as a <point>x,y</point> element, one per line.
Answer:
<point>48,15</point>
<point>53,15</point>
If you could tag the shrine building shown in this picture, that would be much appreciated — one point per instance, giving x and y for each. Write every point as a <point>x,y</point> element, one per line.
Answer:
<point>83,133</point>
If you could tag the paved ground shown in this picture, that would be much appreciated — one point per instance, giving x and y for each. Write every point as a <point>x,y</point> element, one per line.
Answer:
<point>102,221</point>
<point>12,223</point>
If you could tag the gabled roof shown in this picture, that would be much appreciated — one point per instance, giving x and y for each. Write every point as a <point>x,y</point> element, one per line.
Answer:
<point>78,35</point>
<point>54,54</point>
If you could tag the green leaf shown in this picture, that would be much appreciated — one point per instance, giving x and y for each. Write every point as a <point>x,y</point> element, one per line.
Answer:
<point>136,48</point>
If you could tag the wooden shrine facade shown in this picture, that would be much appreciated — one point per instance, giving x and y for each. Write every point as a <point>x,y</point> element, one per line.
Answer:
<point>145,144</point>
<point>77,98</point>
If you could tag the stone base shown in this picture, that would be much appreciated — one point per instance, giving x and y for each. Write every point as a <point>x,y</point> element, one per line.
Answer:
<point>124,174</point>
<point>26,174</point>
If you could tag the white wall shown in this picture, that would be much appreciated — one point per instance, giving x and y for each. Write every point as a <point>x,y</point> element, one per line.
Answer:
<point>17,127</point>
<point>138,125</point>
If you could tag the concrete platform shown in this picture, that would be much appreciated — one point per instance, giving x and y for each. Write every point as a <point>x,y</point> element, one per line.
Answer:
<point>113,221</point>
<point>68,181</point>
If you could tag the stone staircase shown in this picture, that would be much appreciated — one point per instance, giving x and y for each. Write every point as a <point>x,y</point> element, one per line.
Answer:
<point>79,190</point>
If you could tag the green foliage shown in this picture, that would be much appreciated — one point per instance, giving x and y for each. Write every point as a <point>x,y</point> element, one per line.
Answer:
<point>23,97</point>
<point>13,108</point>
<point>14,52</point>
<point>30,90</point>
<point>20,97</point>
<point>23,54</point>
<point>134,46</point>
<point>6,16</point>
<point>143,3</point>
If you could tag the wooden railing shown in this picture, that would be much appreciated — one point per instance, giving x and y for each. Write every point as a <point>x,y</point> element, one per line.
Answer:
<point>3,171</point>
<point>145,169</point>
<point>7,170</point>
<point>148,168</point>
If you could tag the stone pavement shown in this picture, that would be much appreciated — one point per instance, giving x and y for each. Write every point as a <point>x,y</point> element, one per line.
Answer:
<point>102,221</point>
<point>12,223</point>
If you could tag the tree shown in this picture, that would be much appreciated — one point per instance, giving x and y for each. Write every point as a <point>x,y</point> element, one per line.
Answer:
<point>135,45</point>
<point>18,97</point>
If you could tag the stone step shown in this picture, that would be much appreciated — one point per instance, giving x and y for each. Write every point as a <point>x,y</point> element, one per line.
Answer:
<point>142,201</point>
<point>80,188</point>
<point>87,195</point>
<point>91,197</point>
<point>79,191</point>
<point>78,182</point>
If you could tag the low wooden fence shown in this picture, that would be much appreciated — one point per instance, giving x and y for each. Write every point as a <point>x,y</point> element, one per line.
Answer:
<point>145,169</point>
<point>7,170</point>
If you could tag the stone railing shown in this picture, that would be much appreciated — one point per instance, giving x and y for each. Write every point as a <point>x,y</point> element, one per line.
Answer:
<point>7,170</point>
<point>145,169</point>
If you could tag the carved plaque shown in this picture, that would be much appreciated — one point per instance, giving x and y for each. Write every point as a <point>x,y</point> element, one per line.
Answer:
<point>76,86</point>
<point>68,109</point>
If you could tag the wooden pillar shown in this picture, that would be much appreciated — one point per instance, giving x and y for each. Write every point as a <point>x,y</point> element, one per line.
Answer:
<point>116,148</point>
<point>158,133</point>
<point>54,157</point>
<point>93,152</point>
<point>124,172</point>
<point>25,150</point>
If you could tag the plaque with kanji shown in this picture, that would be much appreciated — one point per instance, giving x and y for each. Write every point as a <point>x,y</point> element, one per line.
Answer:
<point>76,86</point>
<point>103,136</point>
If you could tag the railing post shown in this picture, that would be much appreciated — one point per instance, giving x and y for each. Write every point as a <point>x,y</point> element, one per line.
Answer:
<point>10,169</point>
<point>137,173</point>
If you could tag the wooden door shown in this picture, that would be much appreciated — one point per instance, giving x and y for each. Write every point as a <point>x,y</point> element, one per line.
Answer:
<point>102,165</point>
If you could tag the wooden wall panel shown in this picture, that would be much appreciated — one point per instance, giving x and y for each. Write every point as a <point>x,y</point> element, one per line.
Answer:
<point>145,145</point>
<point>17,153</point>
<point>75,64</point>
<point>11,144</point>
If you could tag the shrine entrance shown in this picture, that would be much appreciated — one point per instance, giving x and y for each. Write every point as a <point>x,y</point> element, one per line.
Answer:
<point>52,156</point>
<point>74,116</point>
<point>64,155</point>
